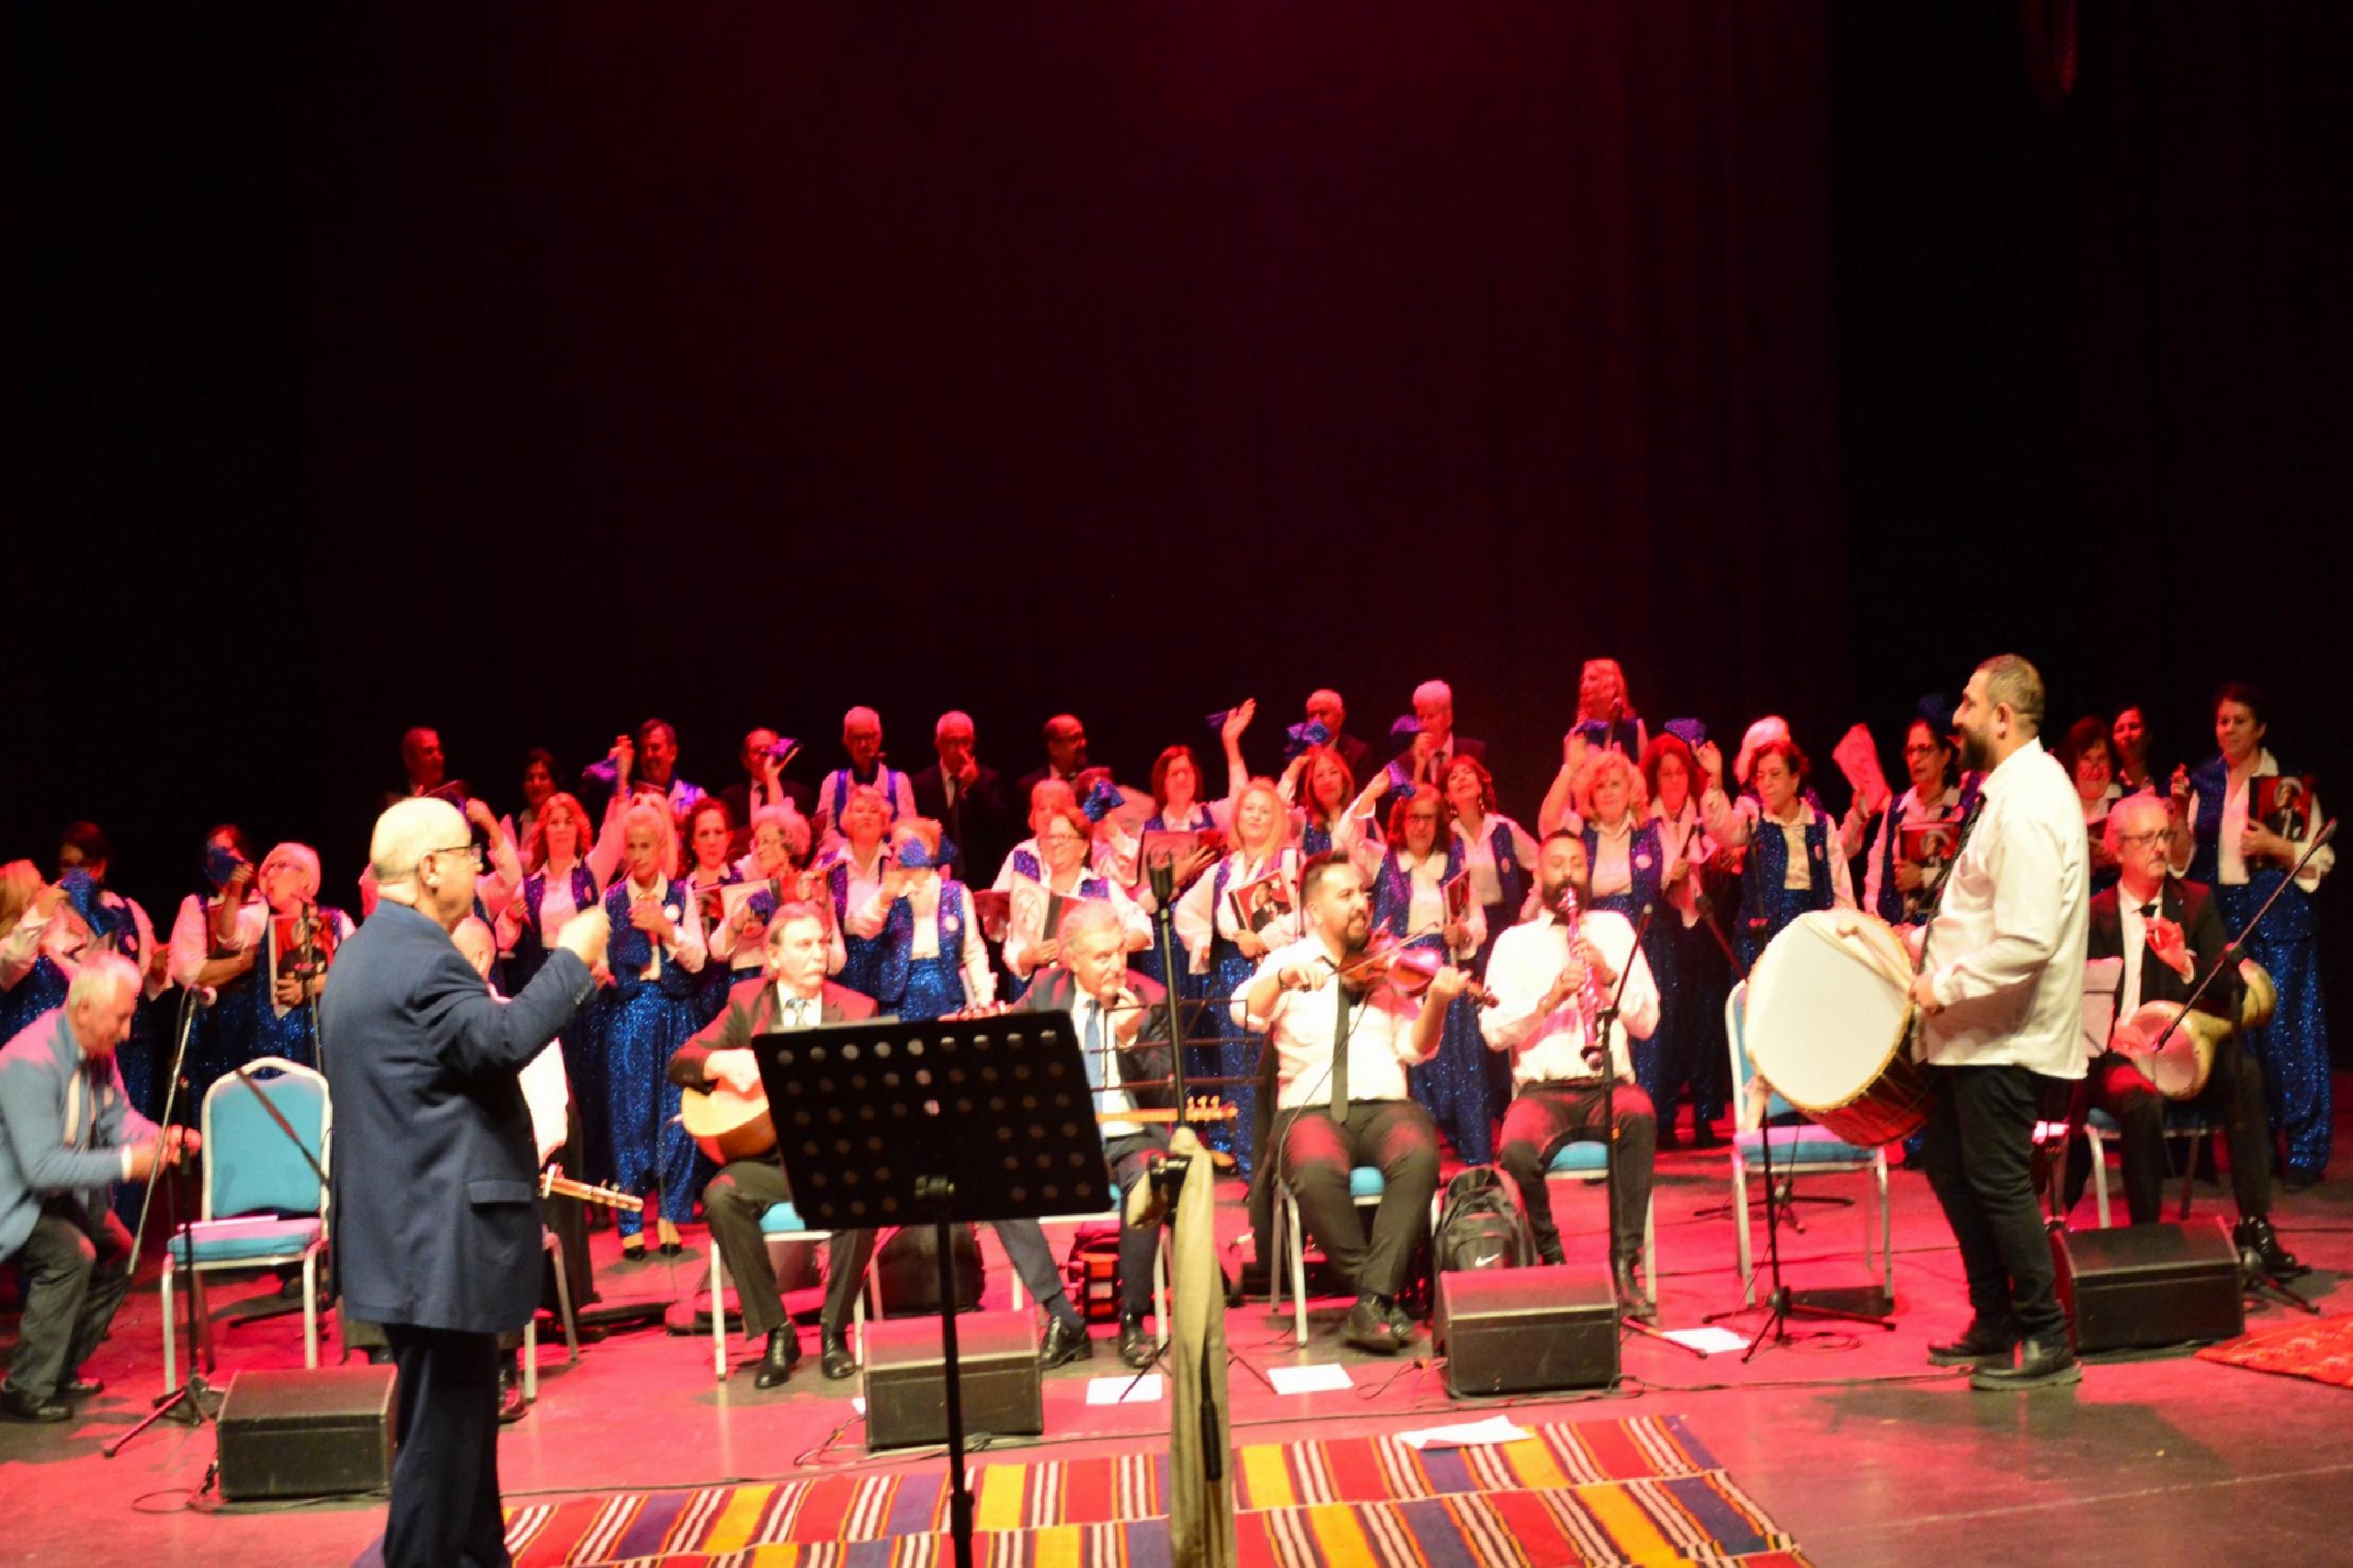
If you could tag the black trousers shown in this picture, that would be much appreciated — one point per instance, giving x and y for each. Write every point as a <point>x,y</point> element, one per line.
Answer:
<point>1397,1138</point>
<point>1542,1118</point>
<point>2232,1100</point>
<point>1131,1156</point>
<point>445,1477</point>
<point>736,1197</point>
<point>1977,1156</point>
<point>76,1267</point>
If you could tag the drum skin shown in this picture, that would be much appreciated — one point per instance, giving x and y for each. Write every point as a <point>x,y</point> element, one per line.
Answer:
<point>1828,1023</point>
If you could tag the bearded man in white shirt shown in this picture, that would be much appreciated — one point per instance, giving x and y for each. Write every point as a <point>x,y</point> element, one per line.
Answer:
<point>1546,979</point>
<point>2000,998</point>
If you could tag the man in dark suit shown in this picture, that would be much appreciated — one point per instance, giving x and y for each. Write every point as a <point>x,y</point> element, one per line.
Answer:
<point>1123,1029</point>
<point>2169,936</point>
<point>763,784</point>
<point>1065,759</point>
<point>1325,708</point>
<point>1435,745</point>
<point>967,801</point>
<point>793,992</point>
<point>436,1218</point>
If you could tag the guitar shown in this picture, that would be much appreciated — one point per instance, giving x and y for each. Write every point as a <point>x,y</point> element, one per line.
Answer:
<point>554,1186</point>
<point>726,1124</point>
<point>1201,1107</point>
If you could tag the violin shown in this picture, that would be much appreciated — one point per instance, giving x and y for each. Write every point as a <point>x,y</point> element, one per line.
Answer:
<point>1389,960</point>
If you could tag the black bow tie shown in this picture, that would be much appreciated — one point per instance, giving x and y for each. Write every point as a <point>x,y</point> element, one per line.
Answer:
<point>2148,911</point>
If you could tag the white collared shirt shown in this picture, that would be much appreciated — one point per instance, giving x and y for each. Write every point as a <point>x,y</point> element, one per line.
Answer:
<point>1301,1026</point>
<point>1550,1046</point>
<point>798,1012</point>
<point>2005,946</point>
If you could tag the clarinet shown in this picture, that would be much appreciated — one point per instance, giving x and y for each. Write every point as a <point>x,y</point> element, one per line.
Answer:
<point>1589,997</point>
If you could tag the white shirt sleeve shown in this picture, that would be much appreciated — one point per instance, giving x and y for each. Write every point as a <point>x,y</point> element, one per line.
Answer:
<point>2024,864</point>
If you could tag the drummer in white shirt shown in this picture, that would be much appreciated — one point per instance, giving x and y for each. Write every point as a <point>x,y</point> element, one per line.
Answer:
<point>1543,983</point>
<point>2000,996</point>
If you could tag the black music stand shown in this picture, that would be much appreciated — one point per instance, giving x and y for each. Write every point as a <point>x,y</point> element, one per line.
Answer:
<point>942,1123</point>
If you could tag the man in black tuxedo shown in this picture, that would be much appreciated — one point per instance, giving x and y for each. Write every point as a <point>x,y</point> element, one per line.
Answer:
<point>2170,936</point>
<point>1123,1029</point>
<point>967,801</point>
<point>791,992</point>
<point>436,1201</point>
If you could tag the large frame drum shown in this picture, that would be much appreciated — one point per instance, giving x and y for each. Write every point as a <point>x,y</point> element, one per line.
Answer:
<point>1829,1024</point>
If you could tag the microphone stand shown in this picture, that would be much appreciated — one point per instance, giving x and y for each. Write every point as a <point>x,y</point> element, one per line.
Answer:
<point>1598,1048</point>
<point>194,1400</point>
<point>2252,1275</point>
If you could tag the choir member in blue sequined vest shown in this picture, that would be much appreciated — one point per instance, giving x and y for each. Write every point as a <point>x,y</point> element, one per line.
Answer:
<point>1222,948</point>
<point>32,923</point>
<point>1178,807</point>
<point>1605,718</point>
<point>2220,839</point>
<point>711,833</point>
<point>1325,813</point>
<point>1927,758</point>
<point>1626,869</point>
<point>2090,760</point>
<point>1793,864</point>
<point>1689,966</point>
<point>216,942</point>
<point>935,962</point>
<point>851,879</point>
<point>283,1020</point>
<point>647,1012</point>
<point>1409,904</point>
<point>862,740</point>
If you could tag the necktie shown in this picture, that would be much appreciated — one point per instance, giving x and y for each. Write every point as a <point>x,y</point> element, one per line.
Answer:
<point>1340,1054</point>
<point>1094,1045</point>
<point>2148,911</point>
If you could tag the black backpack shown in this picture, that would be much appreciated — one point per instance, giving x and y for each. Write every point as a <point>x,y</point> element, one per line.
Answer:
<point>1480,1226</point>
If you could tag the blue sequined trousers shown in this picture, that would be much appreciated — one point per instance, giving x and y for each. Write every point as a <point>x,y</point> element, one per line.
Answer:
<point>1453,1086</point>
<point>642,1026</point>
<point>1231,1052</point>
<point>935,988</point>
<point>2294,1047</point>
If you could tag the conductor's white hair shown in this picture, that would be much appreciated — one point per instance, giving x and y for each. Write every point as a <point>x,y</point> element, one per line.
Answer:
<point>1087,915</point>
<point>409,831</point>
<point>100,976</point>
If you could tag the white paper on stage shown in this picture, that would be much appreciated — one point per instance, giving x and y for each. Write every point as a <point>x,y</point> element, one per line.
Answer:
<point>1708,1341</point>
<point>1322,1379</point>
<point>1145,1390</point>
<point>1467,1434</point>
<point>857,1404</point>
<point>2103,978</point>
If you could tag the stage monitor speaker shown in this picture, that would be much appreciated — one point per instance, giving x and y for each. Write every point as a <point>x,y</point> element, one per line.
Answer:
<point>316,1434</point>
<point>2154,1285</point>
<point>907,1395</point>
<point>1526,1330</point>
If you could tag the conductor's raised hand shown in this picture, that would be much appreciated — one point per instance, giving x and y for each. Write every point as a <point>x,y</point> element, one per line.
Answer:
<point>585,937</point>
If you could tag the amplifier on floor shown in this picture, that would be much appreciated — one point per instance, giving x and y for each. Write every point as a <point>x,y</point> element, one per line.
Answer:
<point>316,1434</point>
<point>1524,1329</point>
<point>907,1397</point>
<point>2152,1285</point>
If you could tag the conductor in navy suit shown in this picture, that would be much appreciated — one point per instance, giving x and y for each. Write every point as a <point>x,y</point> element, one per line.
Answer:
<point>437,1217</point>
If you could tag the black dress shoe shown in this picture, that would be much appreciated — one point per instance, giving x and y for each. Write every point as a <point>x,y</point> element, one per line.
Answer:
<point>1136,1347</point>
<point>2255,1236</point>
<point>671,1249</point>
<point>1631,1302</point>
<point>80,1388</point>
<point>1402,1321</point>
<point>632,1251</point>
<point>380,1354</point>
<point>1668,1138</point>
<point>834,1358</point>
<point>1705,1136</point>
<point>1979,1344</point>
<point>17,1405</point>
<point>783,1354</point>
<point>1065,1341</point>
<point>2294,1180</point>
<point>512,1406</point>
<point>1369,1328</point>
<point>2041,1364</point>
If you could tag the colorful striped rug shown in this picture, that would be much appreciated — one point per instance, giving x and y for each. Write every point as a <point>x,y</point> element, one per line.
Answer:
<point>1594,1491</point>
<point>2318,1348</point>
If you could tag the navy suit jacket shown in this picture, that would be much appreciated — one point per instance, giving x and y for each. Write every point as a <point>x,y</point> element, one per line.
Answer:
<point>436,1200</point>
<point>1145,1063</point>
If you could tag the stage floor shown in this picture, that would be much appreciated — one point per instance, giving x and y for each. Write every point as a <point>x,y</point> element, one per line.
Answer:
<point>1848,1442</point>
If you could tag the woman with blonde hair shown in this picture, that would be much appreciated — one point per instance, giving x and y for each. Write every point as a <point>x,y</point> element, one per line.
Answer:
<point>289,880</point>
<point>647,1012</point>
